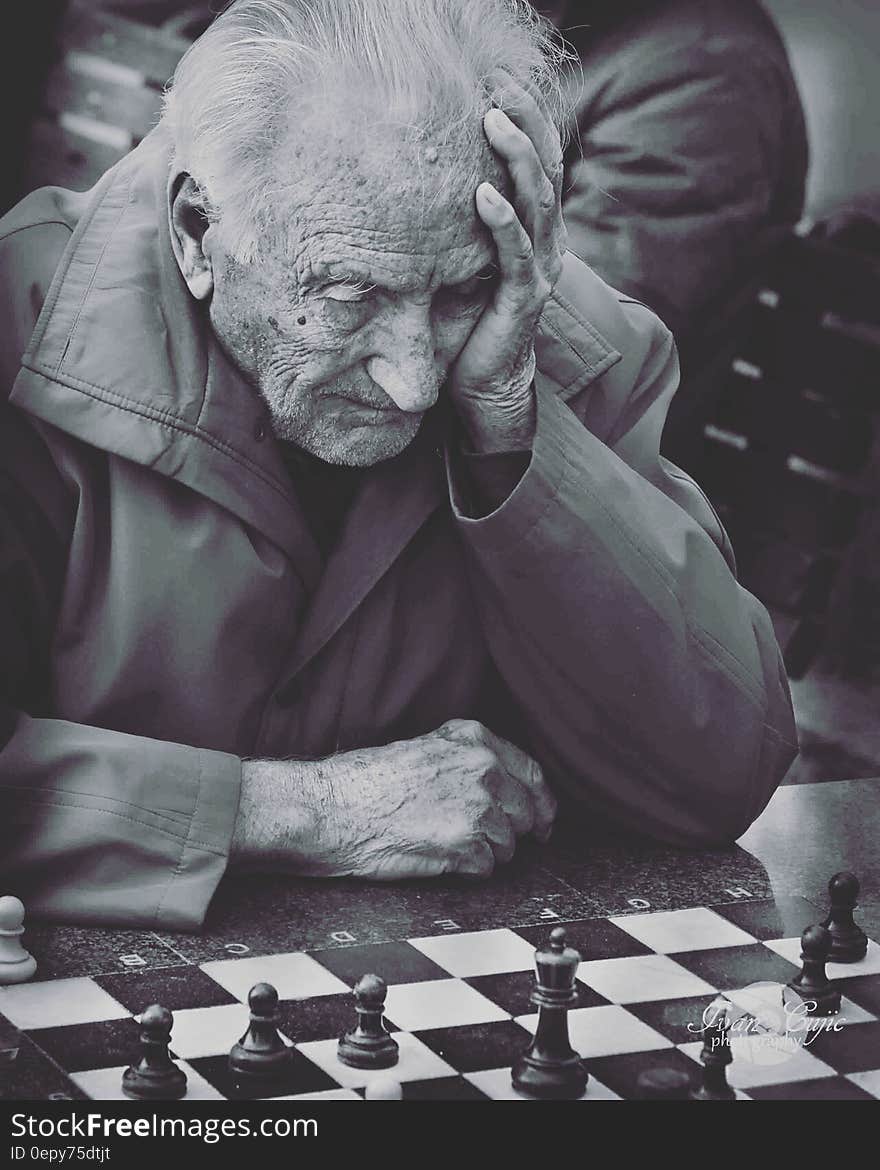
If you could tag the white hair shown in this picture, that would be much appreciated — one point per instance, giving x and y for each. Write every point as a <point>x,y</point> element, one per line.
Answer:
<point>233,95</point>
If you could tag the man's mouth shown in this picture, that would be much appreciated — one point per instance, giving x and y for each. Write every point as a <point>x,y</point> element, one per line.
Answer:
<point>386,407</point>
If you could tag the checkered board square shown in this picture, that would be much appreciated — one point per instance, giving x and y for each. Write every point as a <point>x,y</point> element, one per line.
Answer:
<point>458,1006</point>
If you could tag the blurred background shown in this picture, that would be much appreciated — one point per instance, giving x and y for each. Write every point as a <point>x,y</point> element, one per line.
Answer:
<point>778,413</point>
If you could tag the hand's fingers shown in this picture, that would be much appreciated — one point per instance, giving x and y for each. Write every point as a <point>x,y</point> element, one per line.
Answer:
<point>513,796</point>
<point>535,198</point>
<point>522,767</point>
<point>523,105</point>
<point>461,730</point>
<point>479,861</point>
<point>534,195</point>
<point>498,831</point>
<point>517,773</point>
<point>516,258</point>
<point>548,234</point>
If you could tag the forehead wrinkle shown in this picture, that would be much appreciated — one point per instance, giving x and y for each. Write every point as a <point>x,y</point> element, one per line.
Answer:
<point>373,230</point>
<point>386,207</point>
<point>399,238</point>
<point>327,254</point>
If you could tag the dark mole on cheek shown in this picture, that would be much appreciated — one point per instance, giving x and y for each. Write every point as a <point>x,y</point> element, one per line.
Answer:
<point>301,320</point>
<point>273,322</point>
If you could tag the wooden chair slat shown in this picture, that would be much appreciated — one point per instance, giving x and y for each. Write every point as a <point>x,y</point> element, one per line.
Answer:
<point>152,52</point>
<point>134,108</point>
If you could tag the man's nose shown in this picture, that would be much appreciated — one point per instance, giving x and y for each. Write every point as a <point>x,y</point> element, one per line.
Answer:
<point>405,364</point>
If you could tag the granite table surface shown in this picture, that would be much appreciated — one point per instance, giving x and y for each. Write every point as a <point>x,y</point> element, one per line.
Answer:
<point>806,833</point>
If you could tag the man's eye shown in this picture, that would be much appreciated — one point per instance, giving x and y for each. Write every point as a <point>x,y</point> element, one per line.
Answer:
<point>463,296</point>
<point>348,294</point>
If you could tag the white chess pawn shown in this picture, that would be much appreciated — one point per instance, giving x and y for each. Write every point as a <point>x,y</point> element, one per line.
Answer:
<point>383,1089</point>
<point>16,965</point>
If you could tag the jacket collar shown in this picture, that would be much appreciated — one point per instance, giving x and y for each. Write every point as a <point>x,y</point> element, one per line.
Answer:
<point>122,358</point>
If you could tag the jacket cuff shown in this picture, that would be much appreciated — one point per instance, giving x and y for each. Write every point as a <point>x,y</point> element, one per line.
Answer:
<point>549,468</point>
<point>205,852</point>
<point>484,481</point>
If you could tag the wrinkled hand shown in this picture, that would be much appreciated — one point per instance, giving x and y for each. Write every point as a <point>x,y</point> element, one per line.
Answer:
<point>491,381</point>
<point>452,801</point>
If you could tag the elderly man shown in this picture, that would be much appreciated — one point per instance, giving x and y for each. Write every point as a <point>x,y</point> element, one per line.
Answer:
<point>336,538</point>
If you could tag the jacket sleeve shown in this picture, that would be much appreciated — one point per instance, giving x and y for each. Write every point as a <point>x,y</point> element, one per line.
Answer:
<point>105,827</point>
<point>676,173</point>
<point>650,681</point>
<point>98,826</point>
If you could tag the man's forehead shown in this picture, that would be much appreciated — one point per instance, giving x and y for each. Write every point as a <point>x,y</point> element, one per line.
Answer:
<point>392,196</point>
<point>363,139</point>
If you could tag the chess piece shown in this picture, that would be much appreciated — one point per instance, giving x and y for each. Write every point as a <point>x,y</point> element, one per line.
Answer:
<point>156,1077</point>
<point>663,1084</point>
<point>849,943</point>
<point>16,964</point>
<point>260,1055</point>
<point>820,996</point>
<point>10,1045</point>
<point>383,1088</point>
<point>550,1068</point>
<point>716,1055</point>
<point>369,1045</point>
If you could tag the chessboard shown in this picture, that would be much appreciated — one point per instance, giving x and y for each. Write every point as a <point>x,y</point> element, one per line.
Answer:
<point>458,1005</point>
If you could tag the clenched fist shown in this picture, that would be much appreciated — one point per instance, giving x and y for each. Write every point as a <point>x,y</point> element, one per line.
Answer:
<point>452,801</point>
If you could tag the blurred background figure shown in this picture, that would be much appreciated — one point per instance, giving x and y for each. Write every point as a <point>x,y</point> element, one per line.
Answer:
<point>689,159</point>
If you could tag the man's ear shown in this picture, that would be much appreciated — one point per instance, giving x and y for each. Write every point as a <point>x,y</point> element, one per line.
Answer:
<point>189,226</point>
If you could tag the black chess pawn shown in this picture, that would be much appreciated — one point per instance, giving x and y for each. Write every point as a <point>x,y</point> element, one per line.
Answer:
<point>156,1077</point>
<point>10,1046</point>
<point>820,996</point>
<point>550,1068</point>
<point>260,1055</point>
<point>716,1055</point>
<point>849,943</point>
<point>369,1045</point>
